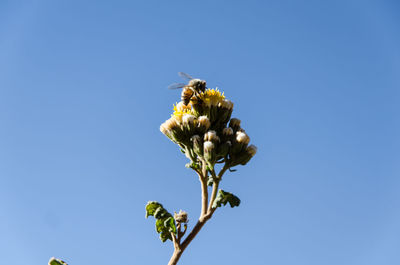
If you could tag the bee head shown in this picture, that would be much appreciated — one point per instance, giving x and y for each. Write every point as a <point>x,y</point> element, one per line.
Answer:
<point>198,85</point>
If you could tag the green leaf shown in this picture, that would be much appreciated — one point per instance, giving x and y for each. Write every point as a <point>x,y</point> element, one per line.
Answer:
<point>54,261</point>
<point>193,165</point>
<point>165,223</point>
<point>224,197</point>
<point>170,224</point>
<point>151,208</point>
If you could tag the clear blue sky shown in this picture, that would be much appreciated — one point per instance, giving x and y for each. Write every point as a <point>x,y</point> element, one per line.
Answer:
<point>83,92</point>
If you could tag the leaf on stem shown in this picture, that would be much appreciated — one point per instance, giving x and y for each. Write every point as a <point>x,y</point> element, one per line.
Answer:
<point>165,223</point>
<point>224,197</point>
<point>54,261</point>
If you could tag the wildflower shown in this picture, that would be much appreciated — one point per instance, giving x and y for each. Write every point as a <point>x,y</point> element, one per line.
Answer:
<point>211,97</point>
<point>234,124</point>
<point>181,217</point>
<point>223,149</point>
<point>209,153</point>
<point>189,122</point>
<point>226,104</point>
<point>252,150</point>
<point>180,109</point>
<point>227,131</point>
<point>197,145</point>
<point>211,136</point>
<point>203,123</point>
<point>242,138</point>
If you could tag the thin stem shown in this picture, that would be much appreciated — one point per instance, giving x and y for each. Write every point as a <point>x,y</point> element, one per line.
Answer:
<point>175,257</point>
<point>206,212</point>
<point>213,195</point>
<point>204,188</point>
<point>176,243</point>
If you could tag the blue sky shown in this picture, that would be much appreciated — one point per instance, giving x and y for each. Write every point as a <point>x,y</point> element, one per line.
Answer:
<point>83,92</point>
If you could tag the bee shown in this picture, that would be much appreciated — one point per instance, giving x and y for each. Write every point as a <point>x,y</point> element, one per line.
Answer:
<point>190,91</point>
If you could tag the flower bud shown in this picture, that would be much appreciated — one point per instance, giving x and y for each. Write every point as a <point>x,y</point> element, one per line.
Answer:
<point>227,131</point>
<point>244,157</point>
<point>197,145</point>
<point>181,217</point>
<point>171,124</point>
<point>181,107</point>
<point>226,104</point>
<point>164,129</point>
<point>211,136</point>
<point>234,124</point>
<point>189,123</point>
<point>172,129</point>
<point>223,149</point>
<point>209,152</point>
<point>203,123</point>
<point>242,138</point>
<point>252,150</point>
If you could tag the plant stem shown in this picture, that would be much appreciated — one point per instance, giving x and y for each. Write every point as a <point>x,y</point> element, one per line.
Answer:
<point>175,257</point>
<point>206,212</point>
<point>204,188</point>
<point>213,195</point>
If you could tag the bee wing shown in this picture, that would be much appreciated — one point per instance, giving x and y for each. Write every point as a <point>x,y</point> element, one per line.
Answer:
<point>176,85</point>
<point>185,76</point>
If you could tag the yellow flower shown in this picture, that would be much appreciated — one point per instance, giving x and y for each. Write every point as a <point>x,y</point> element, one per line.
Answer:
<point>211,97</point>
<point>180,109</point>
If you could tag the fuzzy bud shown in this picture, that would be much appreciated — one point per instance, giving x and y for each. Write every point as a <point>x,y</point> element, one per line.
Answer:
<point>226,104</point>
<point>172,129</point>
<point>203,123</point>
<point>227,131</point>
<point>211,136</point>
<point>181,217</point>
<point>234,124</point>
<point>188,120</point>
<point>164,130</point>
<point>223,149</point>
<point>209,152</point>
<point>242,138</point>
<point>248,154</point>
<point>244,157</point>
<point>252,150</point>
<point>197,144</point>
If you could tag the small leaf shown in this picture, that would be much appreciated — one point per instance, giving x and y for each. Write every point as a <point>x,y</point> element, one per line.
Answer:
<point>161,213</point>
<point>54,261</point>
<point>170,223</point>
<point>165,223</point>
<point>224,197</point>
<point>151,207</point>
<point>193,165</point>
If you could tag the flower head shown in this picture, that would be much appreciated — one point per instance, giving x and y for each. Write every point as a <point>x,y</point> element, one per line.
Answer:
<point>251,150</point>
<point>181,109</point>
<point>211,136</point>
<point>242,137</point>
<point>212,97</point>
<point>204,123</point>
<point>227,131</point>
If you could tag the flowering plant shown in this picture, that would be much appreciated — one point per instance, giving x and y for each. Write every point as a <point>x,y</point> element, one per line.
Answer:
<point>203,129</point>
